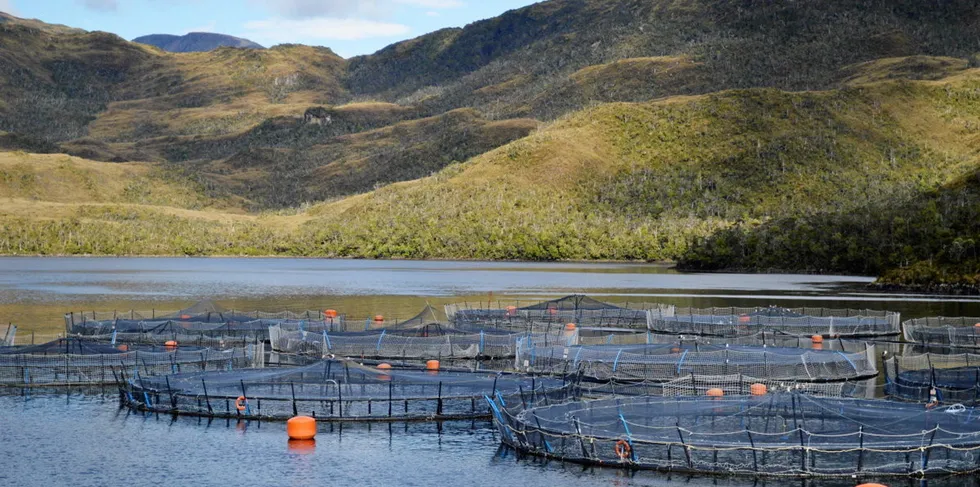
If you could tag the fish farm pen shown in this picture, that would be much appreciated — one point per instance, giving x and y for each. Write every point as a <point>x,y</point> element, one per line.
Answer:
<point>736,322</point>
<point>728,385</point>
<point>761,339</point>
<point>777,434</point>
<point>953,332</point>
<point>334,390</point>
<point>581,310</point>
<point>663,362</point>
<point>934,378</point>
<point>402,344</point>
<point>71,362</point>
<point>205,324</point>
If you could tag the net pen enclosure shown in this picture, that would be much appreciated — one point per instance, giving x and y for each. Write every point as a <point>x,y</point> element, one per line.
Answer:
<point>73,362</point>
<point>441,343</point>
<point>205,322</point>
<point>962,332</point>
<point>934,378</point>
<point>340,391</point>
<point>736,322</point>
<point>778,434</point>
<point>664,362</point>
<point>577,309</point>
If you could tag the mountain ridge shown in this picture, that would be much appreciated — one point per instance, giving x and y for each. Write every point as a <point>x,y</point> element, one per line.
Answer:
<point>195,42</point>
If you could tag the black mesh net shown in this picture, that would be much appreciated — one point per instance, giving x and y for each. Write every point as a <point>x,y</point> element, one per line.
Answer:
<point>947,379</point>
<point>737,322</point>
<point>781,434</point>
<point>662,362</point>
<point>337,391</point>
<point>956,332</point>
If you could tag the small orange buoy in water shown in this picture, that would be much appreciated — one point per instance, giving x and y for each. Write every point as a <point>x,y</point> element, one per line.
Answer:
<point>744,319</point>
<point>301,428</point>
<point>758,389</point>
<point>330,313</point>
<point>379,319</point>
<point>570,327</point>
<point>170,344</point>
<point>123,348</point>
<point>872,485</point>
<point>185,317</point>
<point>817,338</point>
<point>432,365</point>
<point>384,366</point>
<point>240,403</point>
<point>715,393</point>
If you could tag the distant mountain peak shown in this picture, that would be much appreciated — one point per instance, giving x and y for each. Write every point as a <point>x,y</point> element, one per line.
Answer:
<point>195,42</point>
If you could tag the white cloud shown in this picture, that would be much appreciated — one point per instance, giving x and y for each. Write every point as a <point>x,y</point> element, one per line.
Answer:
<point>432,3</point>
<point>302,9</point>
<point>101,5</point>
<point>279,30</point>
<point>7,6</point>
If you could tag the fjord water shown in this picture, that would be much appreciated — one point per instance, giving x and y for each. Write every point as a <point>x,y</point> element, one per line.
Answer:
<point>83,438</point>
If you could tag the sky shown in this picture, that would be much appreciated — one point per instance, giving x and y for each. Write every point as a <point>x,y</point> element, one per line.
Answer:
<point>349,27</point>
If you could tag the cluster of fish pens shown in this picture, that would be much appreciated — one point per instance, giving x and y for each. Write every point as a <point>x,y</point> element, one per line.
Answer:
<point>755,391</point>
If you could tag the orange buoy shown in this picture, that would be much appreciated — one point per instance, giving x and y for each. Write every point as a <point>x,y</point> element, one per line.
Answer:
<point>744,319</point>
<point>330,313</point>
<point>301,428</point>
<point>758,389</point>
<point>715,393</point>
<point>240,403</point>
<point>185,317</point>
<point>675,350</point>
<point>379,319</point>
<point>432,365</point>
<point>384,366</point>
<point>817,338</point>
<point>872,485</point>
<point>511,310</point>
<point>570,327</point>
<point>302,447</point>
<point>123,348</point>
<point>170,344</point>
<point>977,325</point>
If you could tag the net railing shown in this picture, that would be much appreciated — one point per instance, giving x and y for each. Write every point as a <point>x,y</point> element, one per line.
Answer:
<point>664,362</point>
<point>783,435</point>
<point>957,332</point>
<point>149,331</point>
<point>940,378</point>
<point>762,339</point>
<point>338,391</point>
<point>391,345</point>
<point>736,322</point>
<point>75,317</point>
<point>28,370</point>
<point>581,310</point>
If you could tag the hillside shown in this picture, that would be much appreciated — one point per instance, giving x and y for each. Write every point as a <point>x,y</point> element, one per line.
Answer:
<point>821,136</point>
<point>195,42</point>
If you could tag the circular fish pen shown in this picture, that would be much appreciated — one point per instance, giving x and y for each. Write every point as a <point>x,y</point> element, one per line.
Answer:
<point>664,362</point>
<point>943,332</point>
<point>338,391</point>
<point>72,362</point>
<point>204,324</point>
<point>548,315</point>
<point>934,378</point>
<point>785,435</point>
<point>737,322</point>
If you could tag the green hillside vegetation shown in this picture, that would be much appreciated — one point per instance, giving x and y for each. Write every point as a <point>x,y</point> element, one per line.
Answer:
<point>819,136</point>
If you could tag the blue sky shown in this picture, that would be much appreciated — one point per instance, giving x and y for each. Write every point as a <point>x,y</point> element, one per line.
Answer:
<point>349,27</point>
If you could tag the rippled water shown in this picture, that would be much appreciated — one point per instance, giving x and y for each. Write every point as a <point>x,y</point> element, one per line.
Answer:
<point>84,439</point>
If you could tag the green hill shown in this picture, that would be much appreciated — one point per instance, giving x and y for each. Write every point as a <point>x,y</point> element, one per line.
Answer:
<point>823,136</point>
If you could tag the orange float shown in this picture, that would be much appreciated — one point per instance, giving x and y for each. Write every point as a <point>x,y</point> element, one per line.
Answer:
<point>240,403</point>
<point>123,348</point>
<point>432,365</point>
<point>330,313</point>
<point>170,344</point>
<point>570,327</point>
<point>817,339</point>
<point>715,392</point>
<point>301,428</point>
<point>384,366</point>
<point>758,389</point>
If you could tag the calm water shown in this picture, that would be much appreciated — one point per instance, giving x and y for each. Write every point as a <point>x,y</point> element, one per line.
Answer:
<point>84,439</point>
